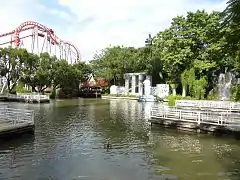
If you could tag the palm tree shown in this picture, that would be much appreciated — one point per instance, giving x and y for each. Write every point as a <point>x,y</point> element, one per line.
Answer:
<point>231,15</point>
<point>231,24</point>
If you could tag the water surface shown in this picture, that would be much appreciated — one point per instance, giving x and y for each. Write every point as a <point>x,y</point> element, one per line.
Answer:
<point>69,144</point>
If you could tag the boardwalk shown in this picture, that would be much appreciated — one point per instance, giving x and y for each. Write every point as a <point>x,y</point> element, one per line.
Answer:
<point>15,121</point>
<point>197,118</point>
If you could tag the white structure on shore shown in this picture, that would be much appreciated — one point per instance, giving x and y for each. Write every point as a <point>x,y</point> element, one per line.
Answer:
<point>140,84</point>
<point>134,83</point>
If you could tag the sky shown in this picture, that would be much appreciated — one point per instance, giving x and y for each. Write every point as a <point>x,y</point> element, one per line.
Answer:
<point>92,25</point>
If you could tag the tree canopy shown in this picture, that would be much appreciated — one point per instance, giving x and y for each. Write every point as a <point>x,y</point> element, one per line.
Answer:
<point>189,55</point>
<point>18,66</point>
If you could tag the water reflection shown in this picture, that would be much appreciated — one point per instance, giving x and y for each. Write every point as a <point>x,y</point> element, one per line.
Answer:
<point>131,109</point>
<point>70,137</point>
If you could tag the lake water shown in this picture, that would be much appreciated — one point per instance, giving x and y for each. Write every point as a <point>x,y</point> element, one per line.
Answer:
<point>69,145</point>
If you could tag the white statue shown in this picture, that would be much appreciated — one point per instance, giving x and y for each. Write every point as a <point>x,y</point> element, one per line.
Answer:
<point>147,87</point>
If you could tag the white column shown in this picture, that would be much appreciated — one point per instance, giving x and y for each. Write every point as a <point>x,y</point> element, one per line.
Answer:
<point>140,84</point>
<point>133,84</point>
<point>126,85</point>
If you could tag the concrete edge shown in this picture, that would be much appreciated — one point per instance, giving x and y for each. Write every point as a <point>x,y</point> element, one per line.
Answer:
<point>12,132</point>
<point>115,97</point>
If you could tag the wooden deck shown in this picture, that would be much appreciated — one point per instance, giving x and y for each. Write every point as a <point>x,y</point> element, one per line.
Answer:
<point>197,119</point>
<point>15,121</point>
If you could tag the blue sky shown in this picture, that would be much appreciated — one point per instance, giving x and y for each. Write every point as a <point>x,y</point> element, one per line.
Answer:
<point>94,24</point>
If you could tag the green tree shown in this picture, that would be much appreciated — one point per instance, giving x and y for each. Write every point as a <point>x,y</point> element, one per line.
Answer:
<point>111,64</point>
<point>231,22</point>
<point>29,70</point>
<point>174,50</point>
<point>43,76</point>
<point>68,77</point>
<point>191,42</point>
<point>231,14</point>
<point>12,61</point>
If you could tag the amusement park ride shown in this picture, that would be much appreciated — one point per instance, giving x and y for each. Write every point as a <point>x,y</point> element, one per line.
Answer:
<point>37,38</point>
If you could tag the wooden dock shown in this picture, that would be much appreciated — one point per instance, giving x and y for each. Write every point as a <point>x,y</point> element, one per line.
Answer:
<point>28,98</point>
<point>208,120</point>
<point>15,121</point>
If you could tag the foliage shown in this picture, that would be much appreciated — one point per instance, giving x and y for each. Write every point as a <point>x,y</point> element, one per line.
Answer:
<point>213,96</point>
<point>236,93</point>
<point>231,21</point>
<point>187,80</point>
<point>172,99</point>
<point>199,86</point>
<point>113,62</point>
<point>19,88</point>
<point>18,66</point>
<point>53,94</point>
<point>232,12</point>
<point>189,55</point>
<point>11,61</point>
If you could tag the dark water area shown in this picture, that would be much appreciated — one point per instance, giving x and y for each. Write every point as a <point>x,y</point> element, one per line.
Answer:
<point>69,144</point>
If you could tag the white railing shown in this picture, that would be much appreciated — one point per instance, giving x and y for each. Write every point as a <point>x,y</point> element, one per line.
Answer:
<point>208,104</point>
<point>12,116</point>
<point>33,96</point>
<point>226,118</point>
<point>36,97</point>
<point>154,91</point>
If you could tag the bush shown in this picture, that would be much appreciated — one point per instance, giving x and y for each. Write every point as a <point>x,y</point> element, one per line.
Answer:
<point>67,93</point>
<point>235,93</point>
<point>172,99</point>
<point>199,86</point>
<point>212,97</point>
<point>106,90</point>
<point>21,89</point>
<point>53,94</point>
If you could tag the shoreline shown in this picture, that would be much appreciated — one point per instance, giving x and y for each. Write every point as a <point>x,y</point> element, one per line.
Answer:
<point>120,97</point>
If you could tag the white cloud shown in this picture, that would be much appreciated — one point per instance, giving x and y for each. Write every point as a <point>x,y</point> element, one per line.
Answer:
<point>13,14</point>
<point>127,22</point>
<point>99,23</point>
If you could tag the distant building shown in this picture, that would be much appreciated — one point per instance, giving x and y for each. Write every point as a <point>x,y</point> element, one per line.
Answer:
<point>95,81</point>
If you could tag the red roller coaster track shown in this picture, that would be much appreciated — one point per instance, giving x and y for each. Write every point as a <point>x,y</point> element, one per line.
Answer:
<point>63,49</point>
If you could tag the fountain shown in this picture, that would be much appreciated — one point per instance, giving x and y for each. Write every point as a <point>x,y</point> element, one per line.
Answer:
<point>224,85</point>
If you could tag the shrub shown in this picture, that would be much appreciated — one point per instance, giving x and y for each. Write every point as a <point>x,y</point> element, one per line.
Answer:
<point>21,89</point>
<point>235,93</point>
<point>199,88</point>
<point>212,97</point>
<point>67,93</point>
<point>172,99</point>
<point>53,94</point>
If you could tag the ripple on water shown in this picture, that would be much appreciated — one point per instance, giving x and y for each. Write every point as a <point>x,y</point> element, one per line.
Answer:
<point>70,137</point>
